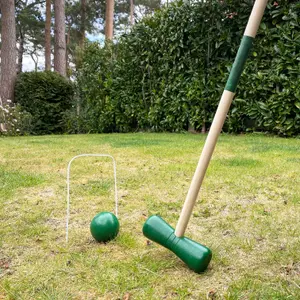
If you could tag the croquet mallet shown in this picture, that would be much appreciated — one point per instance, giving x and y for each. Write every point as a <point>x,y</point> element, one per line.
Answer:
<point>195,255</point>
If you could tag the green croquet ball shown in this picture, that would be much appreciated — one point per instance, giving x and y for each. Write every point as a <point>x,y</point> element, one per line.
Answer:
<point>104,227</point>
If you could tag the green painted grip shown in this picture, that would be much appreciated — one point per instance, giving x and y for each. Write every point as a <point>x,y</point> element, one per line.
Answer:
<point>239,63</point>
<point>195,255</point>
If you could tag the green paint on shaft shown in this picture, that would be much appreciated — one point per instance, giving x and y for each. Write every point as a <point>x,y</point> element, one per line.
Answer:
<point>239,63</point>
<point>195,255</point>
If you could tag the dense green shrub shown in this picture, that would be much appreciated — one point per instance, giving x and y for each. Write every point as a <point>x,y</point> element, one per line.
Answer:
<point>168,73</point>
<point>46,96</point>
<point>268,97</point>
<point>163,74</point>
<point>273,86</point>
<point>94,82</point>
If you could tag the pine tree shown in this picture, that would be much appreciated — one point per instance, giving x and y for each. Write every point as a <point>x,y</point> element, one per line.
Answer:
<point>59,37</point>
<point>83,24</point>
<point>8,51</point>
<point>29,29</point>
<point>109,19</point>
<point>48,36</point>
<point>131,12</point>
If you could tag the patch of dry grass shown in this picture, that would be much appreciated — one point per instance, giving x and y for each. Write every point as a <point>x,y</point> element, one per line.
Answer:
<point>247,213</point>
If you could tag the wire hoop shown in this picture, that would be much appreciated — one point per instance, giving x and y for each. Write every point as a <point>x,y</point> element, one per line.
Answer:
<point>68,186</point>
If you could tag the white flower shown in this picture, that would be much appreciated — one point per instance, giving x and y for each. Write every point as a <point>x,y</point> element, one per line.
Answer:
<point>8,101</point>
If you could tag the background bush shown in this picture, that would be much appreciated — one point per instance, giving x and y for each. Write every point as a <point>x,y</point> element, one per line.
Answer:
<point>46,96</point>
<point>268,97</point>
<point>94,88</point>
<point>168,73</point>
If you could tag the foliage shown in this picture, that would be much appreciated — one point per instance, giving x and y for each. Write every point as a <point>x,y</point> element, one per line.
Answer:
<point>46,96</point>
<point>270,93</point>
<point>13,121</point>
<point>150,88</point>
<point>30,29</point>
<point>94,21</point>
<point>141,8</point>
<point>168,73</point>
<point>94,82</point>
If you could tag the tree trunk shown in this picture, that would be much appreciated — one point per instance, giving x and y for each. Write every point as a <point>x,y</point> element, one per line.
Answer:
<point>131,12</point>
<point>36,61</point>
<point>82,25</point>
<point>203,129</point>
<point>20,53</point>
<point>68,37</point>
<point>8,51</point>
<point>59,38</point>
<point>48,36</point>
<point>109,19</point>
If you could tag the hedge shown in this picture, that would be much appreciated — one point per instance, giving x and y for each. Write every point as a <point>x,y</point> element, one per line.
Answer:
<point>168,73</point>
<point>46,96</point>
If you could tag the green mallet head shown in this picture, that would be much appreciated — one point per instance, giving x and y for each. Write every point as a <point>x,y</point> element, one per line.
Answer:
<point>195,255</point>
<point>104,227</point>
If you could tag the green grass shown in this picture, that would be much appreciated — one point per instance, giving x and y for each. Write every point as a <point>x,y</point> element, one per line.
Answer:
<point>247,213</point>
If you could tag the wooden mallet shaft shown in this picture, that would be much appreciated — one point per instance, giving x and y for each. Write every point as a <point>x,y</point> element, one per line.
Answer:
<point>220,116</point>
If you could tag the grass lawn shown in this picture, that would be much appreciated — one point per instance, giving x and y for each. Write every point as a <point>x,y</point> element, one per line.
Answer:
<point>247,214</point>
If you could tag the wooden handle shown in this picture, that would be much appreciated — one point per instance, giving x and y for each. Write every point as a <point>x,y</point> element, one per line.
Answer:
<point>203,162</point>
<point>220,116</point>
<point>255,17</point>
